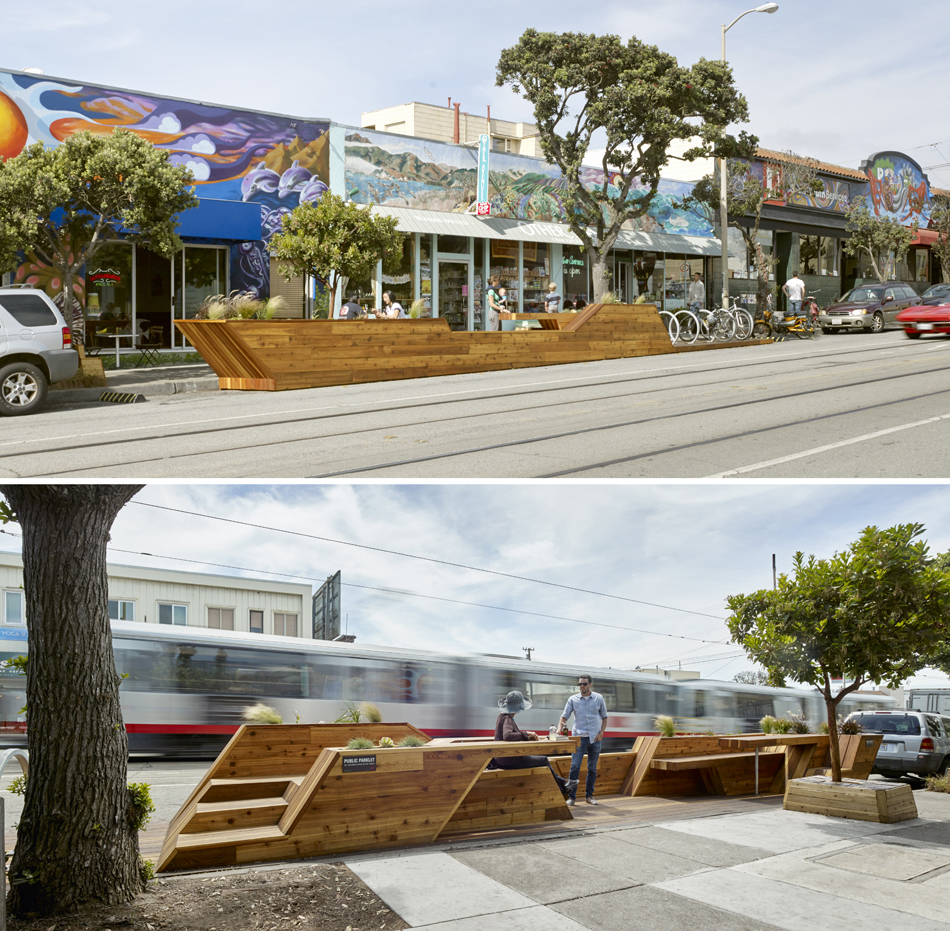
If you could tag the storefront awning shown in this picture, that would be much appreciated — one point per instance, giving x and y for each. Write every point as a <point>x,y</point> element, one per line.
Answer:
<point>668,242</point>
<point>925,238</point>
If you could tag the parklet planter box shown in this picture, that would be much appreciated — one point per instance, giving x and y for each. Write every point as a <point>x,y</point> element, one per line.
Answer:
<point>862,800</point>
<point>275,355</point>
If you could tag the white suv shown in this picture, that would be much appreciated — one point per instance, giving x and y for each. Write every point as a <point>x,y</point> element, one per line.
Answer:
<point>35,349</point>
<point>914,742</point>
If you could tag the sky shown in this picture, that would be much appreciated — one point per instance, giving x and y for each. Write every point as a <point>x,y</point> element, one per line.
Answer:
<point>670,554</point>
<point>835,81</point>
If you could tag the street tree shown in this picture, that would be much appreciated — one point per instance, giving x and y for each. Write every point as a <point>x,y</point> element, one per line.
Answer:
<point>883,240</point>
<point>873,613</point>
<point>940,221</point>
<point>77,840</point>
<point>638,101</point>
<point>760,677</point>
<point>335,242</point>
<point>788,177</point>
<point>64,204</point>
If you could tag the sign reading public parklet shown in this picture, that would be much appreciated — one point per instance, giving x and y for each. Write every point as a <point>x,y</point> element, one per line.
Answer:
<point>359,764</point>
<point>482,184</point>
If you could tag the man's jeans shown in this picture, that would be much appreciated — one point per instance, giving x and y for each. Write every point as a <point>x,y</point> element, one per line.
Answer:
<point>593,754</point>
<point>794,308</point>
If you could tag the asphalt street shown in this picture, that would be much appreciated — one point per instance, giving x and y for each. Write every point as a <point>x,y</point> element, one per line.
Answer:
<point>850,405</point>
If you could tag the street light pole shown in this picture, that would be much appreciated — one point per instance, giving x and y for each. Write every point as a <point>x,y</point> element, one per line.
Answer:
<point>723,186</point>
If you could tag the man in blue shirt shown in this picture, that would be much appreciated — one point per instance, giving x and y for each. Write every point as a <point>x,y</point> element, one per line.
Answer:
<point>590,722</point>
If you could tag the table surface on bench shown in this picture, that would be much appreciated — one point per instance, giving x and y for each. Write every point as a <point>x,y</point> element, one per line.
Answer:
<point>770,740</point>
<point>673,764</point>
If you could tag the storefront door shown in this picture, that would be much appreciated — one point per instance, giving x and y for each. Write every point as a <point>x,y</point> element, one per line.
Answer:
<point>624,282</point>
<point>198,273</point>
<point>455,300</point>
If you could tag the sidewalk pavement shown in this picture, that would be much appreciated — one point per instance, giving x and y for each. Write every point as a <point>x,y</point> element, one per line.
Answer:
<point>752,871</point>
<point>152,382</point>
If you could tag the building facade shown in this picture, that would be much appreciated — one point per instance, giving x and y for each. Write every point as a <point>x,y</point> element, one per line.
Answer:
<point>188,599</point>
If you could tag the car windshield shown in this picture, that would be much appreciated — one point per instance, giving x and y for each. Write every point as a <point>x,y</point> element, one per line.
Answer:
<point>940,291</point>
<point>863,294</point>
<point>889,723</point>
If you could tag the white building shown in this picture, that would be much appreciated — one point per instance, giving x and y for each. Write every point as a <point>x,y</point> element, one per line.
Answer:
<point>194,599</point>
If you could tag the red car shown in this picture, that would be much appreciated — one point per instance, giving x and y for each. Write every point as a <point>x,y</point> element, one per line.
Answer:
<point>925,318</point>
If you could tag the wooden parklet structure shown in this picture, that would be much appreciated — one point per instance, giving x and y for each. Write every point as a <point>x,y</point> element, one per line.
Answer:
<point>279,792</point>
<point>275,355</point>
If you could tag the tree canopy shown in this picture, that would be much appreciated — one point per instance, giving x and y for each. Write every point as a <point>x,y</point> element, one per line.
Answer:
<point>64,203</point>
<point>940,221</point>
<point>881,239</point>
<point>334,242</point>
<point>637,97</point>
<point>877,611</point>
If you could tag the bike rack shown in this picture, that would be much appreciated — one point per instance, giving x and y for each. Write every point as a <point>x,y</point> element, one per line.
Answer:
<point>21,756</point>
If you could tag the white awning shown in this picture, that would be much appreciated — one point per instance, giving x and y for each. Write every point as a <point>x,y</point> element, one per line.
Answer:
<point>462,224</point>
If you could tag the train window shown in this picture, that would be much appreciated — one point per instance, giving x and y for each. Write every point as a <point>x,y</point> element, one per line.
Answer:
<point>393,681</point>
<point>753,706</point>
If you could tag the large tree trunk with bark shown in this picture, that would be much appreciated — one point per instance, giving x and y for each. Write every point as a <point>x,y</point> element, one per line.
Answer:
<point>600,275</point>
<point>75,842</point>
<point>831,709</point>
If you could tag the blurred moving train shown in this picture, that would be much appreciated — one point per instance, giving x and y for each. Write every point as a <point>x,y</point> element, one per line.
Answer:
<point>185,689</point>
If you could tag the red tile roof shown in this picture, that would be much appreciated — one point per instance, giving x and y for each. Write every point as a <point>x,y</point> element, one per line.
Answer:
<point>772,155</point>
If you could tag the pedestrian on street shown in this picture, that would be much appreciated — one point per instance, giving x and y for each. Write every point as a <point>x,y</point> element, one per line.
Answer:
<point>794,290</point>
<point>590,722</point>
<point>495,305</point>
<point>696,300</point>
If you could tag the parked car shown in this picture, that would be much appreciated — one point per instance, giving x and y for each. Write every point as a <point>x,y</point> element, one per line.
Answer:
<point>869,307</point>
<point>35,349</point>
<point>926,318</point>
<point>936,294</point>
<point>914,742</point>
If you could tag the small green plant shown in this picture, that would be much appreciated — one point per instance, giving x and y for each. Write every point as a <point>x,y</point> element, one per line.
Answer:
<point>25,877</point>
<point>418,309</point>
<point>18,786</point>
<point>359,743</point>
<point>411,740</point>
<point>261,714</point>
<point>141,805</point>
<point>355,714</point>
<point>822,728</point>
<point>147,870</point>
<point>665,725</point>
<point>782,725</point>
<point>16,662</point>
<point>387,742</point>
<point>799,723</point>
<point>767,724</point>
<point>939,783</point>
<point>371,713</point>
<point>849,727</point>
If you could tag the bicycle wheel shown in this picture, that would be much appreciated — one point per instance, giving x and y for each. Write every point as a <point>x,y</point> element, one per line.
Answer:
<point>744,322</point>
<point>761,330</point>
<point>671,324</point>
<point>689,326</point>
<point>706,323</point>
<point>725,327</point>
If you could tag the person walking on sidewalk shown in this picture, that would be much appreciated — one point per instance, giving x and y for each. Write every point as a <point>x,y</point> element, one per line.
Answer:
<point>590,722</point>
<point>794,290</point>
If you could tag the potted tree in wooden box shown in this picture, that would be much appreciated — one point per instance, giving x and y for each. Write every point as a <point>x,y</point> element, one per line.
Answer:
<point>877,612</point>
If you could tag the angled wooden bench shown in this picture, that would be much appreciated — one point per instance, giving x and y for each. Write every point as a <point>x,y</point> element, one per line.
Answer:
<point>323,799</point>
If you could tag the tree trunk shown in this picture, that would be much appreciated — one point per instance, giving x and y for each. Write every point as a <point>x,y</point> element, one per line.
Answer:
<point>75,842</point>
<point>833,747</point>
<point>73,312</point>
<point>599,273</point>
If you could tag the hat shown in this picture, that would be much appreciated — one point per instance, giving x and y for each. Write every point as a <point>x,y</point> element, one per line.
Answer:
<point>514,702</point>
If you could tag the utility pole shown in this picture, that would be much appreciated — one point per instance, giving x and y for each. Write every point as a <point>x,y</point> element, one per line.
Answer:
<point>527,652</point>
<point>774,578</point>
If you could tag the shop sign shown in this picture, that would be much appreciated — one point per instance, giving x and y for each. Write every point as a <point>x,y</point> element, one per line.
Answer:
<point>482,182</point>
<point>483,209</point>
<point>104,278</point>
<point>359,764</point>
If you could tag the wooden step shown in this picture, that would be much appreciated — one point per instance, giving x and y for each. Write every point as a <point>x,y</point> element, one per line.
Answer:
<point>228,816</point>
<point>231,790</point>
<point>680,763</point>
<point>209,839</point>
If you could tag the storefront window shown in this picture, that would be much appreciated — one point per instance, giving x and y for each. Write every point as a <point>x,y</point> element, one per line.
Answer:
<point>679,271</point>
<point>153,277</point>
<point>457,245</point>
<point>921,264</point>
<point>574,275</point>
<point>478,288</point>
<point>504,264</point>
<point>399,277</point>
<point>818,255</point>
<point>425,272</point>
<point>649,277</point>
<point>109,291</point>
<point>537,275</point>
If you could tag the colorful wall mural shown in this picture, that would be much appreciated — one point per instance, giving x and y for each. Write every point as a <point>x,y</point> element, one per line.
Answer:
<point>400,171</point>
<point>275,161</point>
<point>898,188</point>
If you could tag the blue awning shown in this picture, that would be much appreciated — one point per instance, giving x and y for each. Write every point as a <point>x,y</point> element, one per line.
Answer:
<point>231,220</point>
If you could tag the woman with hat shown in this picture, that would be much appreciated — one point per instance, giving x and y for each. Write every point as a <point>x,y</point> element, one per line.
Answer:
<point>507,729</point>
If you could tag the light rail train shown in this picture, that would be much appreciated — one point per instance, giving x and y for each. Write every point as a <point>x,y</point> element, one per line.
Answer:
<point>185,689</point>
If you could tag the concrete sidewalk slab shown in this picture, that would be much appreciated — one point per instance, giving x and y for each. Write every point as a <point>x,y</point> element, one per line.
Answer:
<point>852,871</point>
<point>703,850</point>
<point>432,888</point>
<point>776,831</point>
<point>160,381</point>
<point>931,832</point>
<point>539,918</point>
<point>648,908</point>
<point>634,864</point>
<point>790,906</point>
<point>536,871</point>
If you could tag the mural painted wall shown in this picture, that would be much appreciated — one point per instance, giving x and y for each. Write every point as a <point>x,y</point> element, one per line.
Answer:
<point>400,171</point>
<point>898,188</point>
<point>275,161</point>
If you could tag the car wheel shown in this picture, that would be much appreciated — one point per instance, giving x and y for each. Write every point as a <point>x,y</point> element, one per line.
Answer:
<point>22,388</point>
<point>877,323</point>
<point>826,330</point>
<point>911,335</point>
